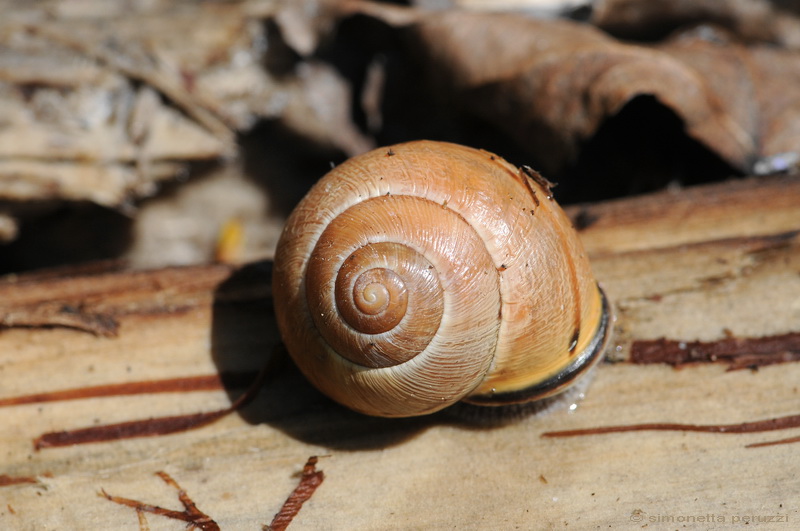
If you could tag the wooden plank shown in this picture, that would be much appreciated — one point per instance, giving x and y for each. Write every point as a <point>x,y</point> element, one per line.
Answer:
<point>708,264</point>
<point>746,207</point>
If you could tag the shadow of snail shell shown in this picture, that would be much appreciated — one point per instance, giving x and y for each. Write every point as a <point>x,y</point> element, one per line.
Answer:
<point>416,276</point>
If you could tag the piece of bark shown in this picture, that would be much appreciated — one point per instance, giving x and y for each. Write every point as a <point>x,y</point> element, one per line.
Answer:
<point>707,264</point>
<point>690,215</point>
<point>62,109</point>
<point>94,303</point>
<point>104,102</point>
<point>8,228</point>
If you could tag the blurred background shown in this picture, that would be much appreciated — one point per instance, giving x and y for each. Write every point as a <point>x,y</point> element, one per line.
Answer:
<point>156,132</point>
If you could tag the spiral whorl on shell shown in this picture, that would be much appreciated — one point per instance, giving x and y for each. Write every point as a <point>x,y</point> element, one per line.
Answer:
<point>415,276</point>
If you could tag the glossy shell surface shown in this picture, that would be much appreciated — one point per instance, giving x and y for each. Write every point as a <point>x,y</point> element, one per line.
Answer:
<point>421,274</point>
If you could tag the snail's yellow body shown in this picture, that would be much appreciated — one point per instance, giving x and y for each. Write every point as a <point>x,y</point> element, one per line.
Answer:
<point>416,276</point>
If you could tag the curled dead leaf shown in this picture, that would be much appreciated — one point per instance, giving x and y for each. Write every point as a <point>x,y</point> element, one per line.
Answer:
<point>752,20</point>
<point>551,84</point>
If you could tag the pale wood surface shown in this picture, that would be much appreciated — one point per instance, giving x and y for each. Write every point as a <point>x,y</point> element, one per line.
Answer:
<point>696,264</point>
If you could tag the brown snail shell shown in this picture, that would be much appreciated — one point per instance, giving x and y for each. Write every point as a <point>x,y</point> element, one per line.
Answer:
<point>416,276</point>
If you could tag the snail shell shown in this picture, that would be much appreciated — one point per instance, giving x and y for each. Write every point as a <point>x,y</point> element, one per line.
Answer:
<point>416,276</point>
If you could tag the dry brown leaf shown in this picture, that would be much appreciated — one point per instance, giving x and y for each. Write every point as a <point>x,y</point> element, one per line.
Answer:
<point>778,100</point>
<point>552,83</point>
<point>759,86</point>
<point>754,20</point>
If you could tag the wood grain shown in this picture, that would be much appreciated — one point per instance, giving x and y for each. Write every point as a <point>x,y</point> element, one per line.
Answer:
<point>704,264</point>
